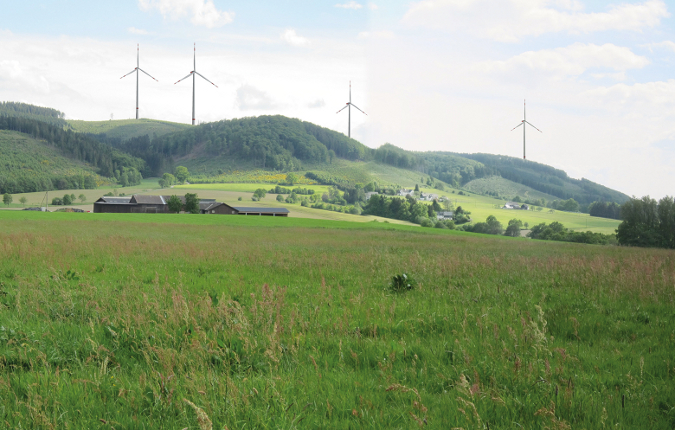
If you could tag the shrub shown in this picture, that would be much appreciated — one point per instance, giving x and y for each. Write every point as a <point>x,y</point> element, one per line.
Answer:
<point>401,283</point>
<point>280,198</point>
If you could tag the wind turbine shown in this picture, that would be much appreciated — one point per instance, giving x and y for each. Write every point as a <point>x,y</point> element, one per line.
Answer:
<point>193,73</point>
<point>523,122</point>
<point>138,67</point>
<point>349,105</point>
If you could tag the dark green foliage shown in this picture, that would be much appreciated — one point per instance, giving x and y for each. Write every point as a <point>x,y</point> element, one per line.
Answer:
<point>648,224</point>
<point>270,142</point>
<point>282,190</point>
<point>175,204</point>
<point>407,209</point>
<point>605,210</point>
<point>490,226</point>
<point>401,283</point>
<point>557,231</point>
<point>7,199</point>
<point>42,114</point>
<point>280,198</point>
<point>67,200</point>
<point>76,146</point>
<point>191,203</point>
<point>513,229</point>
<point>544,178</point>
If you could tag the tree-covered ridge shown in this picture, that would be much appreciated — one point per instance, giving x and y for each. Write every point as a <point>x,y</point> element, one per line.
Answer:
<point>28,165</point>
<point>546,179</point>
<point>44,114</point>
<point>76,146</point>
<point>270,142</point>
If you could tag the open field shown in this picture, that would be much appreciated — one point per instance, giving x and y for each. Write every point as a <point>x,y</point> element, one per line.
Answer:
<point>180,321</point>
<point>479,206</point>
<point>127,128</point>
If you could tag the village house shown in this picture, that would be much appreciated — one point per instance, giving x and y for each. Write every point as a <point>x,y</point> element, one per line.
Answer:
<point>513,205</point>
<point>370,194</point>
<point>445,215</point>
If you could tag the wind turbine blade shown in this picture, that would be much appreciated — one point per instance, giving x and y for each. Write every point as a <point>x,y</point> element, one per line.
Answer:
<point>129,73</point>
<point>183,78</point>
<point>534,127</point>
<point>146,73</point>
<point>207,79</point>
<point>516,126</point>
<point>359,109</point>
<point>343,108</point>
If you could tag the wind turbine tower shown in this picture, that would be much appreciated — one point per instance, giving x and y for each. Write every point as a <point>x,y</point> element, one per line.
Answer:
<point>523,123</point>
<point>349,111</point>
<point>193,73</point>
<point>136,70</point>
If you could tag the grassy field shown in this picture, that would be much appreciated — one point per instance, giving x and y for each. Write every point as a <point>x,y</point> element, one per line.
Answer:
<point>179,321</point>
<point>127,128</point>
<point>506,189</point>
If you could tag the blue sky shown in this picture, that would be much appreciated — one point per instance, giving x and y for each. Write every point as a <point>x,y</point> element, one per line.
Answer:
<point>431,74</point>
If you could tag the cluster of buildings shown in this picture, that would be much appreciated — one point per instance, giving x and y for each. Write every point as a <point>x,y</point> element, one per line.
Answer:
<point>513,205</point>
<point>160,204</point>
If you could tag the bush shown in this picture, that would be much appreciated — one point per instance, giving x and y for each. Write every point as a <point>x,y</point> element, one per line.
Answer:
<point>280,198</point>
<point>401,283</point>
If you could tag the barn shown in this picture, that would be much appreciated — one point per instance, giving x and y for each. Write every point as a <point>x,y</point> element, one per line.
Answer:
<point>159,204</point>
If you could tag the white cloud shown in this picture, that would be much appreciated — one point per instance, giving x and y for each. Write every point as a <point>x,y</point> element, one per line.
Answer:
<point>133,30</point>
<point>376,34</point>
<point>251,98</point>
<point>510,20</point>
<point>201,12</point>
<point>667,44</point>
<point>350,5</point>
<point>372,6</point>
<point>316,104</point>
<point>291,37</point>
<point>572,60</point>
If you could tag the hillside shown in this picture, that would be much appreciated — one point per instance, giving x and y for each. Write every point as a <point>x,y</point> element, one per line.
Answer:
<point>277,143</point>
<point>31,144</point>
<point>547,179</point>
<point>503,188</point>
<point>43,114</point>
<point>125,129</point>
<point>280,144</point>
<point>28,165</point>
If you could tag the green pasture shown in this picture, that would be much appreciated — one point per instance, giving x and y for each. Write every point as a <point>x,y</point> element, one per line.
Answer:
<point>248,188</point>
<point>200,322</point>
<point>126,128</point>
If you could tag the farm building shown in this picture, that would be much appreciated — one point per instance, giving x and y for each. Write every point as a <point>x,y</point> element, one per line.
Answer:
<point>445,215</point>
<point>159,204</point>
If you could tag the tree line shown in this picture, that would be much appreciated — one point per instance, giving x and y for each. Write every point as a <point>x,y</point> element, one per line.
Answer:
<point>76,146</point>
<point>648,223</point>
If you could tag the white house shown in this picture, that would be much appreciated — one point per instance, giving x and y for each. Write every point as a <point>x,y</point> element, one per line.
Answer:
<point>511,205</point>
<point>370,194</point>
<point>403,192</point>
<point>444,215</point>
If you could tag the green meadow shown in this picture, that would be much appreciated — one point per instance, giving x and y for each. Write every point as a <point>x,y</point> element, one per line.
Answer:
<point>231,322</point>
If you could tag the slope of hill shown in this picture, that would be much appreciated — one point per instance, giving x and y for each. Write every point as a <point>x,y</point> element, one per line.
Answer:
<point>547,179</point>
<point>277,143</point>
<point>126,129</point>
<point>43,114</point>
<point>503,188</point>
<point>28,165</point>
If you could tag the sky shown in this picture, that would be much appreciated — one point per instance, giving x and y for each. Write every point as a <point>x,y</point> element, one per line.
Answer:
<point>432,75</point>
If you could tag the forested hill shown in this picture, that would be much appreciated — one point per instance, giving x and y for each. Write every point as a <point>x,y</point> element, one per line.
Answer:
<point>547,179</point>
<point>269,142</point>
<point>43,114</point>
<point>39,156</point>
<point>281,143</point>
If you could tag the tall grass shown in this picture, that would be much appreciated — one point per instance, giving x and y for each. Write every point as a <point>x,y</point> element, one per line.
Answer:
<point>263,323</point>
